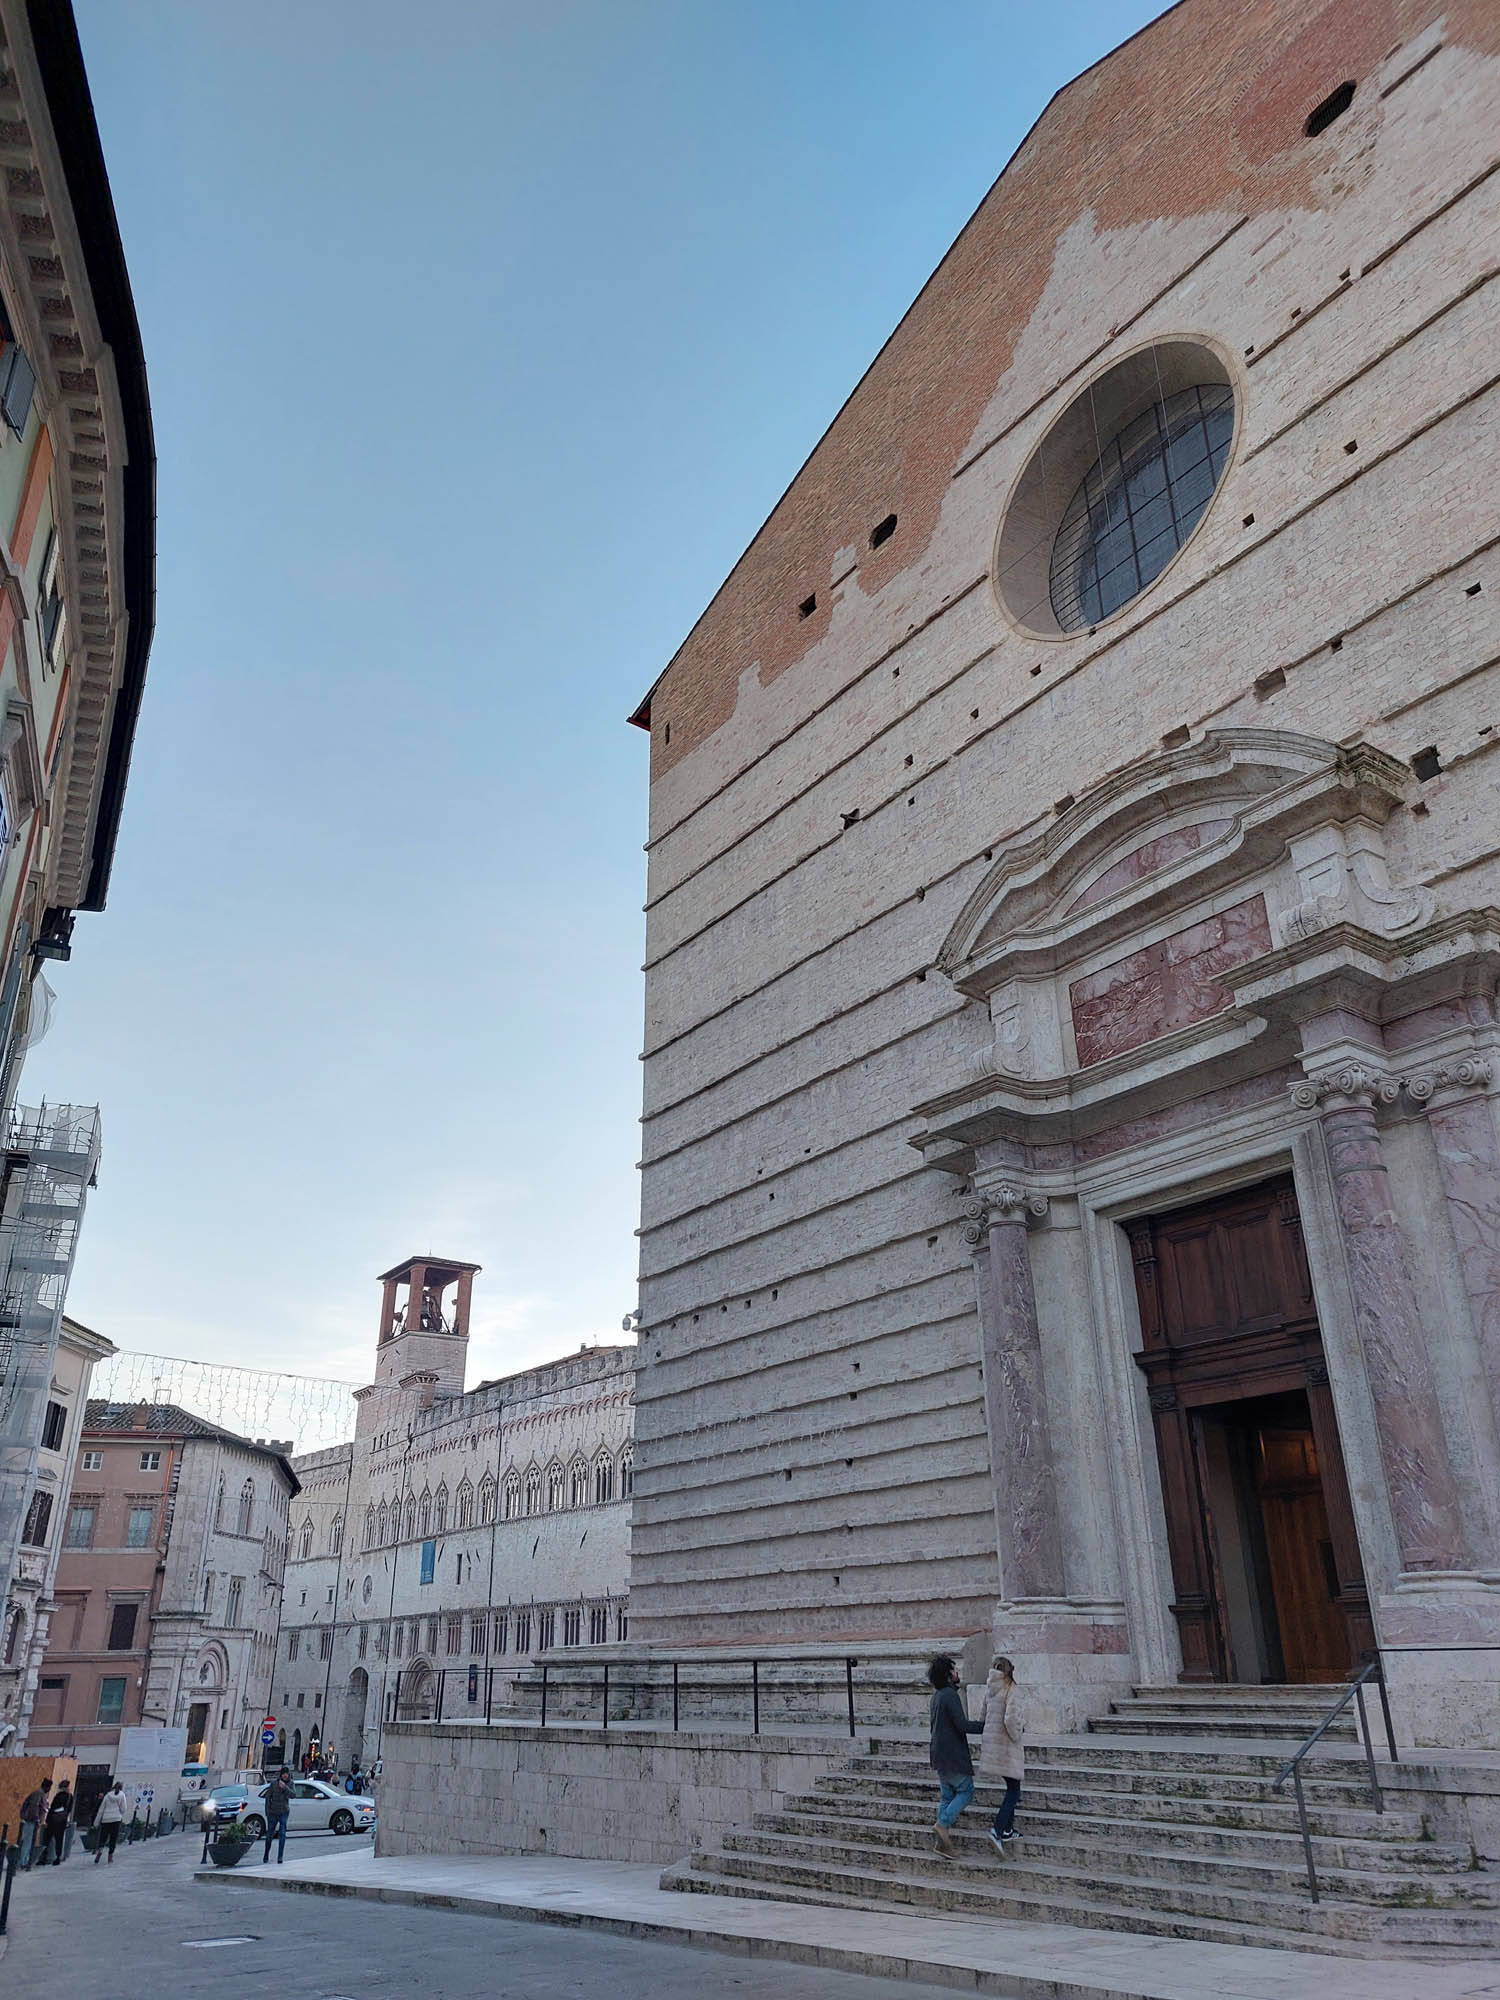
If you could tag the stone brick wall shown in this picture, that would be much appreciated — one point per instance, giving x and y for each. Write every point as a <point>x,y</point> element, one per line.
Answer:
<point>641,1795</point>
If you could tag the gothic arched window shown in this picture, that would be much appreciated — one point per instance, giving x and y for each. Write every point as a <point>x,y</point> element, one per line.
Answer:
<point>336,1535</point>
<point>627,1469</point>
<point>556,1487</point>
<point>486,1501</point>
<point>304,1546</point>
<point>604,1479</point>
<point>578,1484</point>
<point>464,1514</point>
<point>411,1515</point>
<point>533,1491</point>
<point>247,1507</point>
<point>424,1514</point>
<point>440,1511</point>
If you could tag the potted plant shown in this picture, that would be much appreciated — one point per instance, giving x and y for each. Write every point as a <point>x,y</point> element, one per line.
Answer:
<point>229,1844</point>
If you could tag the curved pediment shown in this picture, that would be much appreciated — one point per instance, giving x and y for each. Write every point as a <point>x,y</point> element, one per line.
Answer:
<point>1162,834</point>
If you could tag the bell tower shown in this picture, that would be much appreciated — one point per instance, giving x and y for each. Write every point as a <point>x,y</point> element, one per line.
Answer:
<point>422,1331</point>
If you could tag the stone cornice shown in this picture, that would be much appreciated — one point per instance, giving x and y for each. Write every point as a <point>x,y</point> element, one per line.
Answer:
<point>1369,1085</point>
<point>50,292</point>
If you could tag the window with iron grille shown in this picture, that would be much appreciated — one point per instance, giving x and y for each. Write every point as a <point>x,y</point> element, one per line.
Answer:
<point>455,1635</point>
<point>622,1624</point>
<point>432,1635</point>
<point>546,1630</point>
<point>363,1646</point>
<point>477,1629</point>
<point>572,1626</point>
<point>502,1631</point>
<point>325,1643</point>
<point>598,1624</point>
<point>232,1609</point>
<point>523,1631</point>
<point>293,1645</point>
<point>1139,502</point>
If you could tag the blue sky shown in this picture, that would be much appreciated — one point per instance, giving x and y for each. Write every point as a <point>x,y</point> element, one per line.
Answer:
<point>481,340</point>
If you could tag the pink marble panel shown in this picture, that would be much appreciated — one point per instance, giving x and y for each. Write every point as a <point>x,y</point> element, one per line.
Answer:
<point>1167,985</point>
<point>1156,854</point>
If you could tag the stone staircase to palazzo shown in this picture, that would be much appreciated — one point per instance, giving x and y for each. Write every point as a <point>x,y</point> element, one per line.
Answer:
<point>1161,1820</point>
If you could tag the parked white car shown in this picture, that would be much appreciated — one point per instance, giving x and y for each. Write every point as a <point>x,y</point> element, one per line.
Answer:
<point>316,1808</point>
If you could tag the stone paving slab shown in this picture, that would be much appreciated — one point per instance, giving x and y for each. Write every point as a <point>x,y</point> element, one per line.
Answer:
<point>1023,1961</point>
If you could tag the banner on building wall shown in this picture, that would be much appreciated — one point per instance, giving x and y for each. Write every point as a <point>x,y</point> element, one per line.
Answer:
<point>429,1561</point>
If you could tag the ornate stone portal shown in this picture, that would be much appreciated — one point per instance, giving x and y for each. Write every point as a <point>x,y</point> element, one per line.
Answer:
<point>1207,977</point>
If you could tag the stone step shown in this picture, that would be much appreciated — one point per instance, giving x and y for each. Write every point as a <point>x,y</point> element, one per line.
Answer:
<point>1090,1915</point>
<point>892,1824</point>
<point>1269,1813</point>
<point>1053,1854</point>
<point>1318,1695</point>
<point>918,1782</point>
<point>1124,1721</point>
<point>1013,1888</point>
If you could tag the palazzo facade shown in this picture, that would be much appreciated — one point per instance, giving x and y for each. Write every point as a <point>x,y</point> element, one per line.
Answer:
<point>1071,1200</point>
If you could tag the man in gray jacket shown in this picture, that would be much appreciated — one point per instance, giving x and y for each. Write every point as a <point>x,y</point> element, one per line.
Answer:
<point>949,1756</point>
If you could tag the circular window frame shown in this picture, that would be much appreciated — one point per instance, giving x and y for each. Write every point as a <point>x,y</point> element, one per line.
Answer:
<point>1040,495</point>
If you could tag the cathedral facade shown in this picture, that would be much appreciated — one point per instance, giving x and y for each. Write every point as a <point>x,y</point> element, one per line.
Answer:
<point>1071,1198</point>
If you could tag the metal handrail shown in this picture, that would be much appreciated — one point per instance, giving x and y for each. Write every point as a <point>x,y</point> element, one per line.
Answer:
<point>547,1666</point>
<point>1355,1692</point>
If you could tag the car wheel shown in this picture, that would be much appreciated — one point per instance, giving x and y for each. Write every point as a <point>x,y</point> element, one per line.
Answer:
<point>256,1828</point>
<point>342,1822</point>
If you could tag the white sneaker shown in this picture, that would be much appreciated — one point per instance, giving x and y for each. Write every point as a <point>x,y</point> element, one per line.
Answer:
<point>996,1842</point>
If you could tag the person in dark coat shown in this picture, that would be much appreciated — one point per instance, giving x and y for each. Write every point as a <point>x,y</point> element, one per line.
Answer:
<point>55,1826</point>
<point>34,1821</point>
<point>949,1755</point>
<point>278,1803</point>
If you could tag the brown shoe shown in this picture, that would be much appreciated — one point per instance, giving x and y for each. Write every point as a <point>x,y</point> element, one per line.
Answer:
<point>943,1840</point>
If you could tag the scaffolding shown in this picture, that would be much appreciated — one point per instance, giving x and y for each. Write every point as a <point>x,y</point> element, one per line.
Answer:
<point>47,1165</point>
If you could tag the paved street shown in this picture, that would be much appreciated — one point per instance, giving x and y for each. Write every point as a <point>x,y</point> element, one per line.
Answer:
<point>132,1929</point>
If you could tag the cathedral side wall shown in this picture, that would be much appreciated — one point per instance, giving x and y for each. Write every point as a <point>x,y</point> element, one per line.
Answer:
<point>813,1450</point>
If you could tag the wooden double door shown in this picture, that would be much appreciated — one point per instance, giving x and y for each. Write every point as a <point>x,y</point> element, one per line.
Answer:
<point>1267,1579</point>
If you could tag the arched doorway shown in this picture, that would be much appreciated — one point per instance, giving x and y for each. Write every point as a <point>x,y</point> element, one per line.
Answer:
<point>352,1728</point>
<point>418,1693</point>
<point>296,1749</point>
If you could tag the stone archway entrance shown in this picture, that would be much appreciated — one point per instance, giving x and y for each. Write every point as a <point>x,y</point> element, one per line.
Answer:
<point>418,1693</point>
<point>352,1728</point>
<point>1267,1578</point>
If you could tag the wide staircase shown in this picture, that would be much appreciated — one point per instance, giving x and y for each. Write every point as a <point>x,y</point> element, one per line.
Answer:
<point>1161,1820</point>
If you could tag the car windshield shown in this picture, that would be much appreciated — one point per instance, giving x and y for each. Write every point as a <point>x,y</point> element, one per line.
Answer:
<point>228,1794</point>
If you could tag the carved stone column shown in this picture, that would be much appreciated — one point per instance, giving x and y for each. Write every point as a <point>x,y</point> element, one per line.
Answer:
<point>1015,1394</point>
<point>1414,1452</point>
<point>1468,1151</point>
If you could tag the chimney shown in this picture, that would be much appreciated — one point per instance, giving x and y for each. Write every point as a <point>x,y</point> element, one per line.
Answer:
<point>141,1419</point>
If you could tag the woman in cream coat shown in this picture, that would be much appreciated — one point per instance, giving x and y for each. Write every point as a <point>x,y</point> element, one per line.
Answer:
<point>1001,1756</point>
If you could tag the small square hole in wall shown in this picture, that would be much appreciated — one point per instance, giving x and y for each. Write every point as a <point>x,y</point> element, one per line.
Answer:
<point>1036,670</point>
<point>849,818</point>
<point>1061,805</point>
<point>808,606</point>
<point>1336,644</point>
<point>882,531</point>
<point>1473,590</point>
<point>1268,682</point>
<point>1352,446</point>
<point>1175,738</point>
<point>1249,350</point>
<point>1248,522</point>
<point>1296,312</point>
<point>1426,763</point>
<point>1344,275</point>
<point>666,734</point>
<point>973,715</point>
<point>908,762</point>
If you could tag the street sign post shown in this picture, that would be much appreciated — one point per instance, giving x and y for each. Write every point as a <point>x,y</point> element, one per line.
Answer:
<point>268,1731</point>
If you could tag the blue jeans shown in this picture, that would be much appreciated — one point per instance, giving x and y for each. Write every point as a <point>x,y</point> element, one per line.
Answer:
<point>1005,1818</point>
<point>956,1794</point>
<point>28,1842</point>
<point>273,1828</point>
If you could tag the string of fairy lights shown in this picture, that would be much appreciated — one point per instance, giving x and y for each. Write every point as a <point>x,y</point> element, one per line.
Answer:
<point>313,1412</point>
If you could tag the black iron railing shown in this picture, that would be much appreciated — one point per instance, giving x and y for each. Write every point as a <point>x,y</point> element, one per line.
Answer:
<point>680,1685</point>
<point>1355,1692</point>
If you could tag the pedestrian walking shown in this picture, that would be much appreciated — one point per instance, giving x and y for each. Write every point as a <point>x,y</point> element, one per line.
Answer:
<point>1002,1758</point>
<point>107,1822</point>
<point>278,1803</point>
<point>55,1826</point>
<point>949,1755</point>
<point>33,1818</point>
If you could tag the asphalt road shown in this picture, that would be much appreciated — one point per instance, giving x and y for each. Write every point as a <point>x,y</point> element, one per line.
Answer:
<point>144,1926</point>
